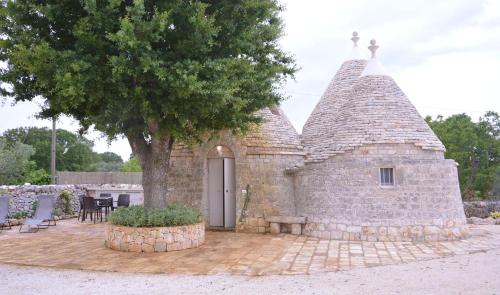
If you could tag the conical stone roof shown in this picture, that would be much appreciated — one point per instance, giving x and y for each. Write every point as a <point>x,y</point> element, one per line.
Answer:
<point>275,135</point>
<point>317,129</point>
<point>376,111</point>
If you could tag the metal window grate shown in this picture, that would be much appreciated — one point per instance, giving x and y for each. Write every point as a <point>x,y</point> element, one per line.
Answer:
<point>387,176</point>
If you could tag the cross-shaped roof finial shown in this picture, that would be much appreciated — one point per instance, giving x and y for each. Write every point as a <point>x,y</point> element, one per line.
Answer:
<point>355,38</point>
<point>373,47</point>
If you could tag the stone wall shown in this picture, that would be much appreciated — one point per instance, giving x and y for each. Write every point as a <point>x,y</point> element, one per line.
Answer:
<point>342,197</point>
<point>154,239</point>
<point>263,170</point>
<point>481,209</point>
<point>23,196</point>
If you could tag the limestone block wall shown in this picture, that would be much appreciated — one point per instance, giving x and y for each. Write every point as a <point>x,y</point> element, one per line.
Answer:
<point>342,197</point>
<point>154,239</point>
<point>23,196</point>
<point>271,189</point>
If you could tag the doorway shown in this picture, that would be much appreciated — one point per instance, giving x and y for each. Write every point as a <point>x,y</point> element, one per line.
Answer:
<point>221,188</point>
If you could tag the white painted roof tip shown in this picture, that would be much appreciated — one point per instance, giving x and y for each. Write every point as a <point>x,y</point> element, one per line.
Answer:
<point>356,54</point>
<point>373,47</point>
<point>355,38</point>
<point>374,67</point>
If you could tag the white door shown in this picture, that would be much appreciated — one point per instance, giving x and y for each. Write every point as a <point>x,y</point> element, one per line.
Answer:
<point>215,192</point>
<point>229,194</point>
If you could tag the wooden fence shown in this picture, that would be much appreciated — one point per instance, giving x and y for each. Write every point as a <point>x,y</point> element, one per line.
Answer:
<point>65,177</point>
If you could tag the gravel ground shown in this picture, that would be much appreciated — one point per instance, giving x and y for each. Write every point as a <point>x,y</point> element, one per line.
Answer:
<point>477,273</point>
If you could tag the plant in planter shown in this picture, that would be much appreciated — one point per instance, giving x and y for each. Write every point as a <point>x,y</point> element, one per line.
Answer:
<point>139,229</point>
<point>138,216</point>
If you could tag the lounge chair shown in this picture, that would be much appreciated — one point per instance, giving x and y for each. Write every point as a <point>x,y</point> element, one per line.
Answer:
<point>4,213</point>
<point>43,215</point>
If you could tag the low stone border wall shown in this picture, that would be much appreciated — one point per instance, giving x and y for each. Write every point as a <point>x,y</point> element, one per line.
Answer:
<point>448,230</point>
<point>154,239</point>
<point>23,196</point>
<point>481,209</point>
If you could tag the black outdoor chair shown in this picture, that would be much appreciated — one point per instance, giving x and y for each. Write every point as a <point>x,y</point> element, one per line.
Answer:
<point>123,200</point>
<point>90,207</point>
<point>106,204</point>
<point>105,196</point>
<point>80,198</point>
<point>4,213</point>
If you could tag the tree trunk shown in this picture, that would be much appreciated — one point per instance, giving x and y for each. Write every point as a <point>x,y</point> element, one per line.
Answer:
<point>154,157</point>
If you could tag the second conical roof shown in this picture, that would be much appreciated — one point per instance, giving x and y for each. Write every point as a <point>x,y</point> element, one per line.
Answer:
<point>377,112</point>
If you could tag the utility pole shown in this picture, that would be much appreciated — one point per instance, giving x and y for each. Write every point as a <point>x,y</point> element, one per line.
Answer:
<point>53,151</point>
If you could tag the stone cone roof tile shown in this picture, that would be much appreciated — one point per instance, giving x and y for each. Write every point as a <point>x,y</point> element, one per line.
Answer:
<point>275,135</point>
<point>376,111</point>
<point>317,128</point>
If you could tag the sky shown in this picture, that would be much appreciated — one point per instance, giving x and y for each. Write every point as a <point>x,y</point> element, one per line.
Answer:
<point>444,54</point>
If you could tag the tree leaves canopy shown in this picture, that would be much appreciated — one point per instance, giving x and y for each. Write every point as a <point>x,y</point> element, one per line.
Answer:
<point>153,68</point>
<point>475,147</point>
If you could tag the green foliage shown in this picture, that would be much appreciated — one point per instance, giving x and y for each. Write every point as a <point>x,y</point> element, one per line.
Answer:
<point>20,215</point>
<point>138,216</point>
<point>109,161</point>
<point>495,214</point>
<point>34,205</point>
<point>65,197</point>
<point>14,162</point>
<point>475,147</point>
<point>58,212</point>
<point>153,71</point>
<point>110,157</point>
<point>131,165</point>
<point>73,151</point>
<point>37,176</point>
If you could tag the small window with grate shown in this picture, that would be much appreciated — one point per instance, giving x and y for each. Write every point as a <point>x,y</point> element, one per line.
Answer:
<point>386,176</point>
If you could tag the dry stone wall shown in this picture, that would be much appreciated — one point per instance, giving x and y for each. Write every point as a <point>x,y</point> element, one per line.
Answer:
<point>342,197</point>
<point>259,164</point>
<point>23,196</point>
<point>154,239</point>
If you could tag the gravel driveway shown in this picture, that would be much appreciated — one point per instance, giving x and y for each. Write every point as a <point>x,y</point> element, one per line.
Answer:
<point>477,273</point>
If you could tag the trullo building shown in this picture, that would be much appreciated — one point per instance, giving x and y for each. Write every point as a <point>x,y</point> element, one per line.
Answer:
<point>367,167</point>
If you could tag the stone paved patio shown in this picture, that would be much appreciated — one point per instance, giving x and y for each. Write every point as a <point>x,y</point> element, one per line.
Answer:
<point>72,245</point>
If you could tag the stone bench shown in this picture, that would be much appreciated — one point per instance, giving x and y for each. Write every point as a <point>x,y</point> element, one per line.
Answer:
<point>295,222</point>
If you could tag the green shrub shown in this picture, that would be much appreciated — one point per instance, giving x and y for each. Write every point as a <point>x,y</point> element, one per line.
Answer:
<point>20,215</point>
<point>34,205</point>
<point>495,214</point>
<point>58,212</point>
<point>65,197</point>
<point>138,216</point>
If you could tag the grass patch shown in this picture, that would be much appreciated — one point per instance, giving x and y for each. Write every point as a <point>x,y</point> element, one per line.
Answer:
<point>495,214</point>
<point>138,216</point>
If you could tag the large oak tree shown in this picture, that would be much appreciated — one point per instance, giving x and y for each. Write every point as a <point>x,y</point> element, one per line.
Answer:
<point>153,71</point>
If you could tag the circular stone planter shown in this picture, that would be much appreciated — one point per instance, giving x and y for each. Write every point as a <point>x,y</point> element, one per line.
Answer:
<point>154,239</point>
